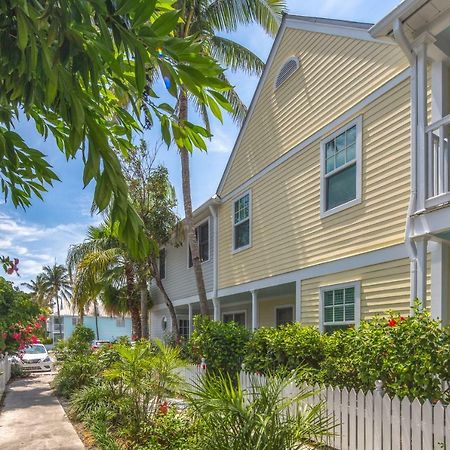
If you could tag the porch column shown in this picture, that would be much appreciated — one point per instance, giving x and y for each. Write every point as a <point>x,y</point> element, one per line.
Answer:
<point>191,328</point>
<point>298,300</point>
<point>439,282</point>
<point>216,305</point>
<point>421,244</point>
<point>254,309</point>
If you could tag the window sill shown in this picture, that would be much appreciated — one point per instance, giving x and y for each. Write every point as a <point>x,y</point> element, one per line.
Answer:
<point>241,249</point>
<point>343,207</point>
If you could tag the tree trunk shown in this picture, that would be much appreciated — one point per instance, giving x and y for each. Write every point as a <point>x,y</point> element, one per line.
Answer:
<point>59,316</point>
<point>131,302</point>
<point>169,304</point>
<point>144,309</point>
<point>189,224</point>
<point>96,319</point>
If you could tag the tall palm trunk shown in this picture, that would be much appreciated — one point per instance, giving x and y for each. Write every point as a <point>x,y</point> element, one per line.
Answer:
<point>169,304</point>
<point>144,309</point>
<point>131,301</point>
<point>189,224</point>
<point>96,319</point>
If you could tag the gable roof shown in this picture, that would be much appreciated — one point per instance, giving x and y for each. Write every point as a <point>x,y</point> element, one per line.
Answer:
<point>344,28</point>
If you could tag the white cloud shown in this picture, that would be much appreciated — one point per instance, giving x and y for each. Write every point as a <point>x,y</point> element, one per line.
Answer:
<point>37,245</point>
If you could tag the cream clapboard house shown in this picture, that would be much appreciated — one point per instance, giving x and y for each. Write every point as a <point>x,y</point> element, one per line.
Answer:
<point>335,203</point>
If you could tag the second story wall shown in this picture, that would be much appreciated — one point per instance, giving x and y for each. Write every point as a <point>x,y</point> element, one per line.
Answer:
<point>287,230</point>
<point>179,281</point>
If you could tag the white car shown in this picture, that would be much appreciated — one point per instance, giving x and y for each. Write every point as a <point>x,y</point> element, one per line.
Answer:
<point>35,358</point>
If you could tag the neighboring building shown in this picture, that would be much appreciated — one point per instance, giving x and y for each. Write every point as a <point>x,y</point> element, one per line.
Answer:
<point>335,203</point>
<point>105,328</point>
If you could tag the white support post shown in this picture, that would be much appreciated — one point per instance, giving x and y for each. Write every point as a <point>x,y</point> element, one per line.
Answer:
<point>216,305</point>
<point>190,316</point>
<point>422,270</point>
<point>255,312</point>
<point>421,139</point>
<point>298,300</point>
<point>439,282</point>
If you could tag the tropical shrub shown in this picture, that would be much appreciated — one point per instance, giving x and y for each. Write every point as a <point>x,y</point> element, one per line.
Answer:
<point>221,344</point>
<point>78,342</point>
<point>259,418</point>
<point>284,349</point>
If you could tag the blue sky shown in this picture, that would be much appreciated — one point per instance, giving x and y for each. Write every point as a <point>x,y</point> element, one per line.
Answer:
<point>42,234</point>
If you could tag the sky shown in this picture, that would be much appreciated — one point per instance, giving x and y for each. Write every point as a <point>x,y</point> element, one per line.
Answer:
<point>42,234</point>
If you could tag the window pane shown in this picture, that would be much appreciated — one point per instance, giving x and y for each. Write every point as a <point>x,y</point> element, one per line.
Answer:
<point>338,313</point>
<point>203,232</point>
<point>351,135</point>
<point>339,296</point>
<point>329,149</point>
<point>351,152</point>
<point>242,234</point>
<point>227,318</point>
<point>240,318</point>
<point>328,316</point>
<point>284,315</point>
<point>341,187</point>
<point>330,164</point>
<point>242,208</point>
<point>340,159</point>
<point>328,298</point>
<point>350,295</point>
<point>349,312</point>
<point>340,142</point>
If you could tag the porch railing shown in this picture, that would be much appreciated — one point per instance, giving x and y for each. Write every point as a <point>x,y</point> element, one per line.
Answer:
<point>437,161</point>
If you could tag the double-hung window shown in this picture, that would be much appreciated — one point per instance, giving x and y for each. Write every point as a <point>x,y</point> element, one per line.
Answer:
<point>238,317</point>
<point>341,169</point>
<point>202,234</point>
<point>284,315</point>
<point>183,325</point>
<point>162,263</point>
<point>339,306</point>
<point>241,222</point>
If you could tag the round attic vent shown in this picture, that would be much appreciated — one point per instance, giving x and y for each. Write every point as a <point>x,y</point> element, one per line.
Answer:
<point>287,69</point>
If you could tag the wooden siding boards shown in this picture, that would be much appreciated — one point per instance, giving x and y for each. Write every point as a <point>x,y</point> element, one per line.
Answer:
<point>180,280</point>
<point>335,74</point>
<point>288,233</point>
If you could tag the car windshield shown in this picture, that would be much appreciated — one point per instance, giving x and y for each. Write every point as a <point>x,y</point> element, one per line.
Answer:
<point>35,349</point>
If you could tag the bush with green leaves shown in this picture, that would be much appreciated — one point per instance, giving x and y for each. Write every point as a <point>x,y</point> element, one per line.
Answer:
<point>221,344</point>
<point>78,342</point>
<point>284,349</point>
<point>259,418</point>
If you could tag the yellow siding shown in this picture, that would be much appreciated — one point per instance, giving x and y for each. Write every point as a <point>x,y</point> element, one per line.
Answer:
<point>267,310</point>
<point>335,73</point>
<point>287,232</point>
<point>383,287</point>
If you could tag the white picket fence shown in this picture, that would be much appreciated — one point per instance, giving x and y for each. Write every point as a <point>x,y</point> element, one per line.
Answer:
<point>5,373</point>
<point>372,420</point>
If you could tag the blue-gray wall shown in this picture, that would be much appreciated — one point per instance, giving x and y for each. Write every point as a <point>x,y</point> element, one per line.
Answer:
<point>107,327</point>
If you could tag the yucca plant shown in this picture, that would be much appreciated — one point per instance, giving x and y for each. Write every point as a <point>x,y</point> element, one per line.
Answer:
<point>258,418</point>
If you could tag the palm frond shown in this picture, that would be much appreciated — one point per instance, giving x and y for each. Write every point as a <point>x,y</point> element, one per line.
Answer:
<point>239,108</point>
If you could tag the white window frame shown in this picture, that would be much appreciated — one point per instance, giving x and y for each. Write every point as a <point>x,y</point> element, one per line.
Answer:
<point>351,284</point>
<point>185,319</point>
<point>358,157</point>
<point>209,242</point>
<point>284,307</point>
<point>165,263</point>
<point>250,215</point>
<point>237,312</point>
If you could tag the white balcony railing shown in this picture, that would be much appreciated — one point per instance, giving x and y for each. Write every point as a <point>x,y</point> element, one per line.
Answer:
<point>437,162</point>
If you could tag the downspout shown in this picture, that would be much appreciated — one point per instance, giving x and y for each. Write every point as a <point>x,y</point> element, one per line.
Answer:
<point>405,45</point>
<point>213,210</point>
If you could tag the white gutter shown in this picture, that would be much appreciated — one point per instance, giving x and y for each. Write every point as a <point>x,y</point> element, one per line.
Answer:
<point>404,44</point>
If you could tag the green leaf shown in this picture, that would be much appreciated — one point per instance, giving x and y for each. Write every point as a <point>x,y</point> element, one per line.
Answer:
<point>22,29</point>
<point>139,71</point>
<point>144,12</point>
<point>165,23</point>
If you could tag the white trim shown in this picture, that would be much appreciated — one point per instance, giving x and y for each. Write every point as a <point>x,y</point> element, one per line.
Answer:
<point>250,222</point>
<point>287,60</point>
<point>328,128</point>
<point>292,308</point>
<point>339,265</point>
<point>236,312</point>
<point>206,219</point>
<point>182,301</point>
<point>358,161</point>
<point>298,301</point>
<point>332,27</point>
<point>355,284</point>
<point>439,282</point>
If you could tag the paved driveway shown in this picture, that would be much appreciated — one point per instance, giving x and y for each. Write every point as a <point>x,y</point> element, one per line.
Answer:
<point>33,419</point>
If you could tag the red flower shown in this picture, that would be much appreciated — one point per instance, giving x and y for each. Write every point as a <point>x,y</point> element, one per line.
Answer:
<point>402,318</point>
<point>16,336</point>
<point>42,318</point>
<point>28,329</point>
<point>392,322</point>
<point>34,339</point>
<point>163,408</point>
<point>37,325</point>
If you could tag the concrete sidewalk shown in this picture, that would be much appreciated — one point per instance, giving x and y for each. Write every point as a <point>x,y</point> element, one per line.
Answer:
<point>33,419</point>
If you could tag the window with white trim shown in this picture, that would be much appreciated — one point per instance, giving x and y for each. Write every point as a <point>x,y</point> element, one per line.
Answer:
<point>284,315</point>
<point>241,222</point>
<point>341,179</point>
<point>340,306</point>
<point>183,325</point>
<point>202,234</point>
<point>238,317</point>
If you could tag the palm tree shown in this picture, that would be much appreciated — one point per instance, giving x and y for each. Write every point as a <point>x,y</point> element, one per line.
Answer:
<point>102,267</point>
<point>206,20</point>
<point>58,287</point>
<point>38,291</point>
